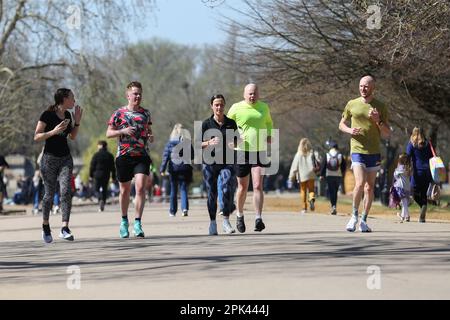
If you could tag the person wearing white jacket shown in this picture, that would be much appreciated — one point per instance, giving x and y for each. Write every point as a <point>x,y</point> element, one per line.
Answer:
<point>303,169</point>
<point>402,185</point>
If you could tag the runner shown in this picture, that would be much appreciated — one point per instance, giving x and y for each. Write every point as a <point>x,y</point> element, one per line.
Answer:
<point>53,127</point>
<point>252,117</point>
<point>218,168</point>
<point>368,117</point>
<point>131,125</point>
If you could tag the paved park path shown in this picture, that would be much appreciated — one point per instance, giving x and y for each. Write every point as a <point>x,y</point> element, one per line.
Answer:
<point>307,256</point>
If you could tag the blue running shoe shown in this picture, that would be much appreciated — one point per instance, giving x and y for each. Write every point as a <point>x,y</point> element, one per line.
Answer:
<point>46,234</point>
<point>213,228</point>
<point>138,232</point>
<point>124,229</point>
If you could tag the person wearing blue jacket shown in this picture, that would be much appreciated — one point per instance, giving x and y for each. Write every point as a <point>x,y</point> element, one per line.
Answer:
<point>419,150</point>
<point>180,170</point>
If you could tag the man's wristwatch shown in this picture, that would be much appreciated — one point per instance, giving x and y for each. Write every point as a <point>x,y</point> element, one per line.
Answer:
<point>77,124</point>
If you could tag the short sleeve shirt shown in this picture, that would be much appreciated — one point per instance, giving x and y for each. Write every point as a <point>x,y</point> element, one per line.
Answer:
<point>251,120</point>
<point>57,144</point>
<point>358,112</point>
<point>132,145</point>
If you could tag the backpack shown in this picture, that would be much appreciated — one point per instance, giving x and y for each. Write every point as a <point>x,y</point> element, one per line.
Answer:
<point>433,192</point>
<point>332,162</point>
<point>179,165</point>
<point>176,161</point>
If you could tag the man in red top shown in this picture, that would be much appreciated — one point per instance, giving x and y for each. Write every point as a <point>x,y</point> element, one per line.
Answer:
<point>131,125</point>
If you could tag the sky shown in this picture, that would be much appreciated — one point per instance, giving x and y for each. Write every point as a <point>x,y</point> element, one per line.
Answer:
<point>191,22</point>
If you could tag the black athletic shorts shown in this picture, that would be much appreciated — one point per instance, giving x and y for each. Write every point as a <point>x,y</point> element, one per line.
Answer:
<point>251,159</point>
<point>128,166</point>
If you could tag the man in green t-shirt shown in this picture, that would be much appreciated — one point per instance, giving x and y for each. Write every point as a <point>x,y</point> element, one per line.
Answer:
<point>369,118</point>
<point>254,122</point>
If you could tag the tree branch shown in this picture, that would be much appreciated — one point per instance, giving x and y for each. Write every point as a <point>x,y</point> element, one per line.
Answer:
<point>42,66</point>
<point>11,26</point>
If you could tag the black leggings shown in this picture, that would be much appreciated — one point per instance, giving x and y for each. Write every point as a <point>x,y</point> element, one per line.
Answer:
<point>54,169</point>
<point>102,183</point>
<point>420,195</point>
<point>421,181</point>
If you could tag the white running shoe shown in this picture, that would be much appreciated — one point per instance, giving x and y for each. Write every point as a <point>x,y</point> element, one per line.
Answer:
<point>351,225</point>
<point>227,228</point>
<point>66,234</point>
<point>363,227</point>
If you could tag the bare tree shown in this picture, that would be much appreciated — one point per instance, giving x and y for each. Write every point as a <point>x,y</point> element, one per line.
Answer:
<point>41,40</point>
<point>311,53</point>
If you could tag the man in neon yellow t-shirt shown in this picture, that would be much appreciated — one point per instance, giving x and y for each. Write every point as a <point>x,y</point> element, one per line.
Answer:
<point>369,118</point>
<point>253,119</point>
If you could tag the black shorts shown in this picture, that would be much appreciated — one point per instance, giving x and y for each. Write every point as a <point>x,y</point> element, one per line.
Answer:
<point>251,159</point>
<point>128,166</point>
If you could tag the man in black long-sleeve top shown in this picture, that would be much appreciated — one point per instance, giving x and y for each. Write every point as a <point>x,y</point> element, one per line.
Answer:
<point>102,165</point>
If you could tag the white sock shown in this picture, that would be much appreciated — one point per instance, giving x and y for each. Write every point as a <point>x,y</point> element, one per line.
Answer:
<point>239,214</point>
<point>258,216</point>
